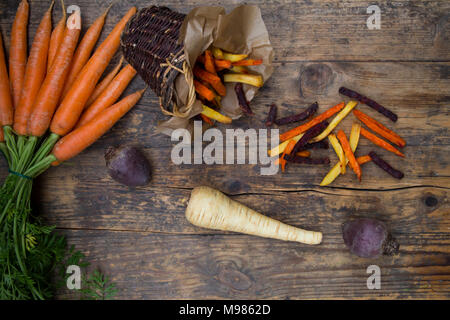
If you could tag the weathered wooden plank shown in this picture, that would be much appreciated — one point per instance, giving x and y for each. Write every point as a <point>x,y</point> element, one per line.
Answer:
<point>156,266</point>
<point>310,30</point>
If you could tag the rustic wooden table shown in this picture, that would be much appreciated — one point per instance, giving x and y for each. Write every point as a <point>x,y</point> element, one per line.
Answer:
<point>141,237</point>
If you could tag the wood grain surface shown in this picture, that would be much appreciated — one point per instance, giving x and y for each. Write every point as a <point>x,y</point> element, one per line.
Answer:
<point>140,236</point>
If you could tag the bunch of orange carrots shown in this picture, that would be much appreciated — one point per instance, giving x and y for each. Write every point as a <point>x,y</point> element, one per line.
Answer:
<point>53,105</point>
<point>214,68</point>
<point>345,148</point>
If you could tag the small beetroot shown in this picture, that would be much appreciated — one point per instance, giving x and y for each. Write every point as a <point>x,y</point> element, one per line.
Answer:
<point>369,238</point>
<point>128,165</point>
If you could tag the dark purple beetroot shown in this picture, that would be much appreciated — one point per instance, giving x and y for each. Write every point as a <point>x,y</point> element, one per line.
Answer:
<point>369,238</point>
<point>128,165</point>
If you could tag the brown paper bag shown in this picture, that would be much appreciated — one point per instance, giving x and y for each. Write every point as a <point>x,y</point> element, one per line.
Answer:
<point>241,31</point>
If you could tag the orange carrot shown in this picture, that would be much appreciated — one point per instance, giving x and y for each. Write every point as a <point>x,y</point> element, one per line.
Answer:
<point>102,85</point>
<point>248,62</point>
<point>349,153</point>
<point>201,58</point>
<point>212,79</point>
<point>109,96</point>
<point>363,159</point>
<point>84,50</point>
<point>304,153</point>
<point>73,103</point>
<point>82,137</point>
<point>222,64</point>
<point>34,73</point>
<point>51,89</point>
<point>56,38</point>
<point>380,142</point>
<point>6,103</point>
<point>203,91</point>
<point>209,62</point>
<point>379,128</point>
<point>18,51</point>
<point>300,129</point>
<point>288,150</point>
<point>207,119</point>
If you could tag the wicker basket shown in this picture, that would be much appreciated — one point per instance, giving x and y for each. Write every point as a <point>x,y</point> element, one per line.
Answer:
<point>150,43</point>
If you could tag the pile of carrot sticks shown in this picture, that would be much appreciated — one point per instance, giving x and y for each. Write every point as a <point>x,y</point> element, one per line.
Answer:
<point>294,141</point>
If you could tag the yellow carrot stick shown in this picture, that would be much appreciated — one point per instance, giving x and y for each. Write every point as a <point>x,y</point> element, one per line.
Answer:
<point>213,114</point>
<point>339,151</point>
<point>336,170</point>
<point>339,117</point>
<point>280,148</point>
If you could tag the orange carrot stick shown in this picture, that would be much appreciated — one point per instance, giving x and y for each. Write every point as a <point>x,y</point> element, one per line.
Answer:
<point>102,85</point>
<point>380,142</point>
<point>203,91</point>
<point>6,103</point>
<point>379,128</point>
<point>349,153</point>
<point>248,62</point>
<point>82,137</point>
<point>73,103</point>
<point>363,159</point>
<point>18,51</point>
<point>34,73</point>
<point>221,64</point>
<point>209,62</point>
<point>109,96</point>
<point>302,128</point>
<point>56,38</point>
<point>51,89</point>
<point>207,119</point>
<point>304,153</point>
<point>288,150</point>
<point>84,49</point>
<point>212,79</point>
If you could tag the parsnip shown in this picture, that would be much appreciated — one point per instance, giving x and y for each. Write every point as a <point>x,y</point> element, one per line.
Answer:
<point>210,208</point>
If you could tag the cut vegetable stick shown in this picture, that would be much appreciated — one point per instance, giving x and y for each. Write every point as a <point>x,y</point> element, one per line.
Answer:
<point>242,99</point>
<point>363,159</point>
<point>51,89</point>
<point>239,69</point>
<point>222,64</point>
<point>280,148</point>
<point>84,49</point>
<point>286,151</point>
<point>336,170</point>
<point>385,166</point>
<point>272,115</point>
<point>339,151</point>
<point>217,53</point>
<point>210,78</point>
<point>18,51</point>
<point>355,133</point>
<point>213,114</point>
<point>206,119</point>
<point>6,102</point>
<point>309,134</point>
<point>234,57</point>
<point>300,116</point>
<point>380,142</point>
<point>201,59</point>
<point>203,91</point>
<point>333,124</point>
<point>349,153</point>
<point>81,138</point>
<point>109,96</point>
<point>56,38</point>
<point>379,128</point>
<point>251,79</point>
<point>209,208</point>
<point>248,62</point>
<point>34,73</point>
<point>68,113</point>
<point>302,128</point>
<point>209,62</point>
<point>304,160</point>
<point>304,153</point>
<point>104,83</point>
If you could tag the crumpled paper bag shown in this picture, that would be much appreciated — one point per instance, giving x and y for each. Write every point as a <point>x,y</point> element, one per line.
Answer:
<point>241,31</point>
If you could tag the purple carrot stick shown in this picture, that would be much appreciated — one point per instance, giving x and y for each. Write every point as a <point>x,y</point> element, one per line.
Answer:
<point>308,135</point>
<point>271,117</point>
<point>243,103</point>
<point>300,116</point>
<point>385,166</point>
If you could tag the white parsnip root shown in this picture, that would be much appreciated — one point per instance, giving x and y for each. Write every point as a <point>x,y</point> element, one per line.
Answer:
<point>210,208</point>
